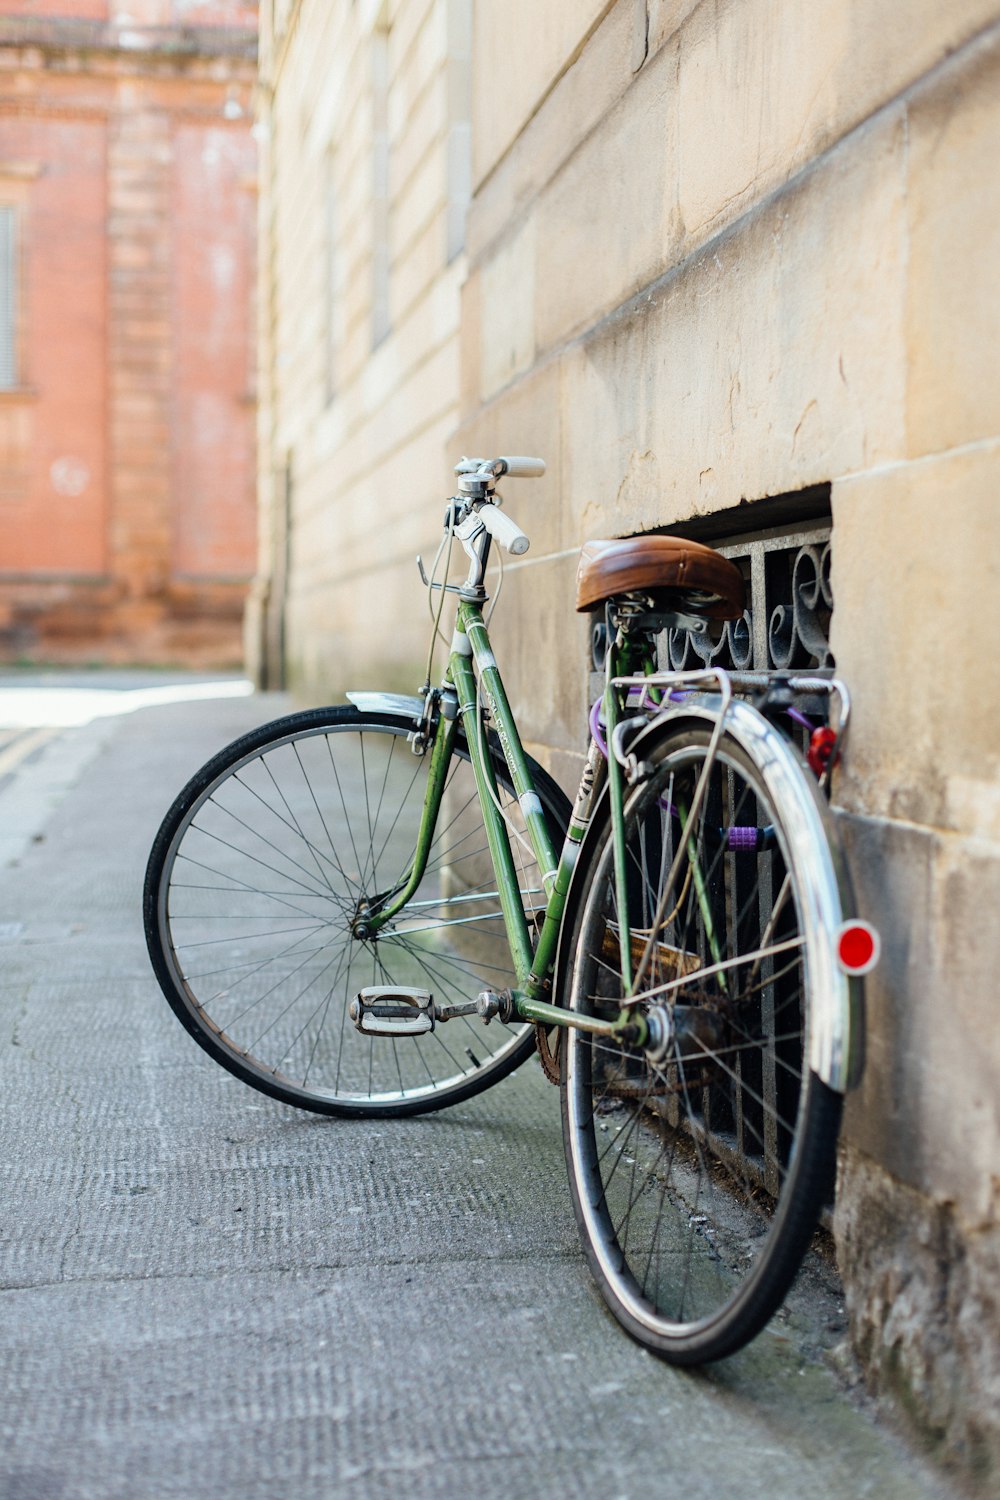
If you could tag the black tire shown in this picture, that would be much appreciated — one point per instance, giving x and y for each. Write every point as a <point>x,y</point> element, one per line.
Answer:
<point>698,1175</point>
<point>251,887</point>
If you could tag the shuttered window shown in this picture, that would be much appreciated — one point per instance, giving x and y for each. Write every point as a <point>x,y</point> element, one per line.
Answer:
<point>380,186</point>
<point>331,297</point>
<point>8,297</point>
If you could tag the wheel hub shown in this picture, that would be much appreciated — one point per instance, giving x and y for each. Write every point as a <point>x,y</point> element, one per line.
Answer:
<point>682,1031</point>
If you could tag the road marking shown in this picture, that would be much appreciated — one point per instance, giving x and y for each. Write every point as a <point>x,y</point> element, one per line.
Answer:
<point>21,746</point>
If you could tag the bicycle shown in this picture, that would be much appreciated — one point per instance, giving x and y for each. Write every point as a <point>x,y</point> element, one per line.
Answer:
<point>362,910</point>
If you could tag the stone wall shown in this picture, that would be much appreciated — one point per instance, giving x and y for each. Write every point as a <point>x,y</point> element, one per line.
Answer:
<point>365,119</point>
<point>718,252</point>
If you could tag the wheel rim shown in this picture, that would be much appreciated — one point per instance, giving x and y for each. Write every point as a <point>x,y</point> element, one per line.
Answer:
<point>261,887</point>
<point>684,1167</point>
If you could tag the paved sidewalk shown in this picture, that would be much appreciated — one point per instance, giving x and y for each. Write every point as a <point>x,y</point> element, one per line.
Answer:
<point>205,1293</point>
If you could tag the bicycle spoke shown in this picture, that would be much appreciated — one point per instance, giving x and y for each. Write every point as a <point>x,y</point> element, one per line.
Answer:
<point>683,1158</point>
<point>245,854</point>
<point>261,916</point>
<point>253,965</point>
<point>247,937</point>
<point>241,885</point>
<point>294,821</point>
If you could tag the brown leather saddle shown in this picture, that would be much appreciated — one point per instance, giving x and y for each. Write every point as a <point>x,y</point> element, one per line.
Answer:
<point>680,575</point>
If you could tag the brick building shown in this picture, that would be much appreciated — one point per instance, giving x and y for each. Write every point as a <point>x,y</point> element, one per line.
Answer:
<point>127,225</point>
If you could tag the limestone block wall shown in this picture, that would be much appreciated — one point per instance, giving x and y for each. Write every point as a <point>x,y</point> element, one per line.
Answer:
<point>720,252</point>
<point>715,251</point>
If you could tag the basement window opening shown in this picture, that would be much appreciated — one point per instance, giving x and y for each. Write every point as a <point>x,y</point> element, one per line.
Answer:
<point>785,559</point>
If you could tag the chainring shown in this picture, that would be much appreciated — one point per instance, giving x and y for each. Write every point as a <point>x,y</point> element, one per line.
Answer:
<point>548,1055</point>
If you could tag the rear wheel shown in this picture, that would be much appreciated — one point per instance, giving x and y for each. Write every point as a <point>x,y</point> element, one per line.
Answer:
<point>253,887</point>
<point>698,1165</point>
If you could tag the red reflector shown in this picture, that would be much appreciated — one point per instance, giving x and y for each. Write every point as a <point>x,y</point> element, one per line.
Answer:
<point>822,742</point>
<point>857,947</point>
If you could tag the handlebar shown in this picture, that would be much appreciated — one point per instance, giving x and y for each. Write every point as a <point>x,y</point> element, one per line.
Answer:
<point>478,502</point>
<point>504,530</point>
<point>516,465</point>
<point>519,467</point>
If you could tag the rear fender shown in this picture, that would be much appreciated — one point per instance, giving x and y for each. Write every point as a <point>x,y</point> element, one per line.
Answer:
<point>835,1044</point>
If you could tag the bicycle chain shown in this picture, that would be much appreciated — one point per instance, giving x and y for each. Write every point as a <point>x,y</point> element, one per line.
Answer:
<point>642,1089</point>
<point>548,1057</point>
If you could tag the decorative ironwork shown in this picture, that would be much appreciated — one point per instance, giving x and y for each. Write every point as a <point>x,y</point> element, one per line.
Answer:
<point>786,626</point>
<point>787,622</point>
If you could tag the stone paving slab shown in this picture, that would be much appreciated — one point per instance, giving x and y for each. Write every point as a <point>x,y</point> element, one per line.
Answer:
<point>450,1381</point>
<point>203,1292</point>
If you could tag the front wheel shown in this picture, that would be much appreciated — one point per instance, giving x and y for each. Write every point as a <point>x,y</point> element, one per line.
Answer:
<point>699,1161</point>
<point>252,896</point>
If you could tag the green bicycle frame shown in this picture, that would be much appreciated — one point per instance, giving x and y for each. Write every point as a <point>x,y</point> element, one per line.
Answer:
<point>532,964</point>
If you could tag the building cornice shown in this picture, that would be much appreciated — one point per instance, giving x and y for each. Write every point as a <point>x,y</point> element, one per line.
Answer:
<point>58,37</point>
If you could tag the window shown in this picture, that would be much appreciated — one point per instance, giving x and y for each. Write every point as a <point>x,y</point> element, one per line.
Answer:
<point>380,185</point>
<point>9,297</point>
<point>331,290</point>
<point>459,144</point>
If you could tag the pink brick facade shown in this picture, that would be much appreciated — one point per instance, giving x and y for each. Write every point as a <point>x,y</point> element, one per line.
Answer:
<point>127,185</point>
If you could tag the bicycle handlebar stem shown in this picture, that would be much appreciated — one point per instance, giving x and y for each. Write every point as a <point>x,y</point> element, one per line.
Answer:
<point>475,541</point>
<point>476,518</point>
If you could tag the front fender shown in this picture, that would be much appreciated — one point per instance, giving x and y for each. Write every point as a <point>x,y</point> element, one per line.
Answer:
<point>388,703</point>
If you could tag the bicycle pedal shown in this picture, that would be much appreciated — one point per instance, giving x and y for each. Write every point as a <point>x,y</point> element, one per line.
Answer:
<point>383,1010</point>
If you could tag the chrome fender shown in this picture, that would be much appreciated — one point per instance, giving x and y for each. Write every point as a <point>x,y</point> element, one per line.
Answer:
<point>810,847</point>
<point>388,703</point>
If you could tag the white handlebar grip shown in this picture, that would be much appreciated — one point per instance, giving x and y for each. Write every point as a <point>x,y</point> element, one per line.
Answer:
<point>505,531</point>
<point>525,468</point>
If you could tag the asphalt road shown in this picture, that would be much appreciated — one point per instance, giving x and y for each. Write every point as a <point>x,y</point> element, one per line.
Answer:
<point>205,1293</point>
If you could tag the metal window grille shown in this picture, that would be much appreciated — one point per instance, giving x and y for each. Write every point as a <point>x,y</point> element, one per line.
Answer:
<point>786,625</point>
<point>790,603</point>
<point>8,297</point>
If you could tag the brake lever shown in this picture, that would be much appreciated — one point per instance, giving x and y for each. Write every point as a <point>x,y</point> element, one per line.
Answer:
<point>449,588</point>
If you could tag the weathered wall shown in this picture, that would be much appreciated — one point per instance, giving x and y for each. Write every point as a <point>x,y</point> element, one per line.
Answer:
<point>717,252</point>
<point>366,117</point>
<point>127,495</point>
<point>725,251</point>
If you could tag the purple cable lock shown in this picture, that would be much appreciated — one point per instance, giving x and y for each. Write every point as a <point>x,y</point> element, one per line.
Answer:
<point>595,728</point>
<point>739,837</point>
